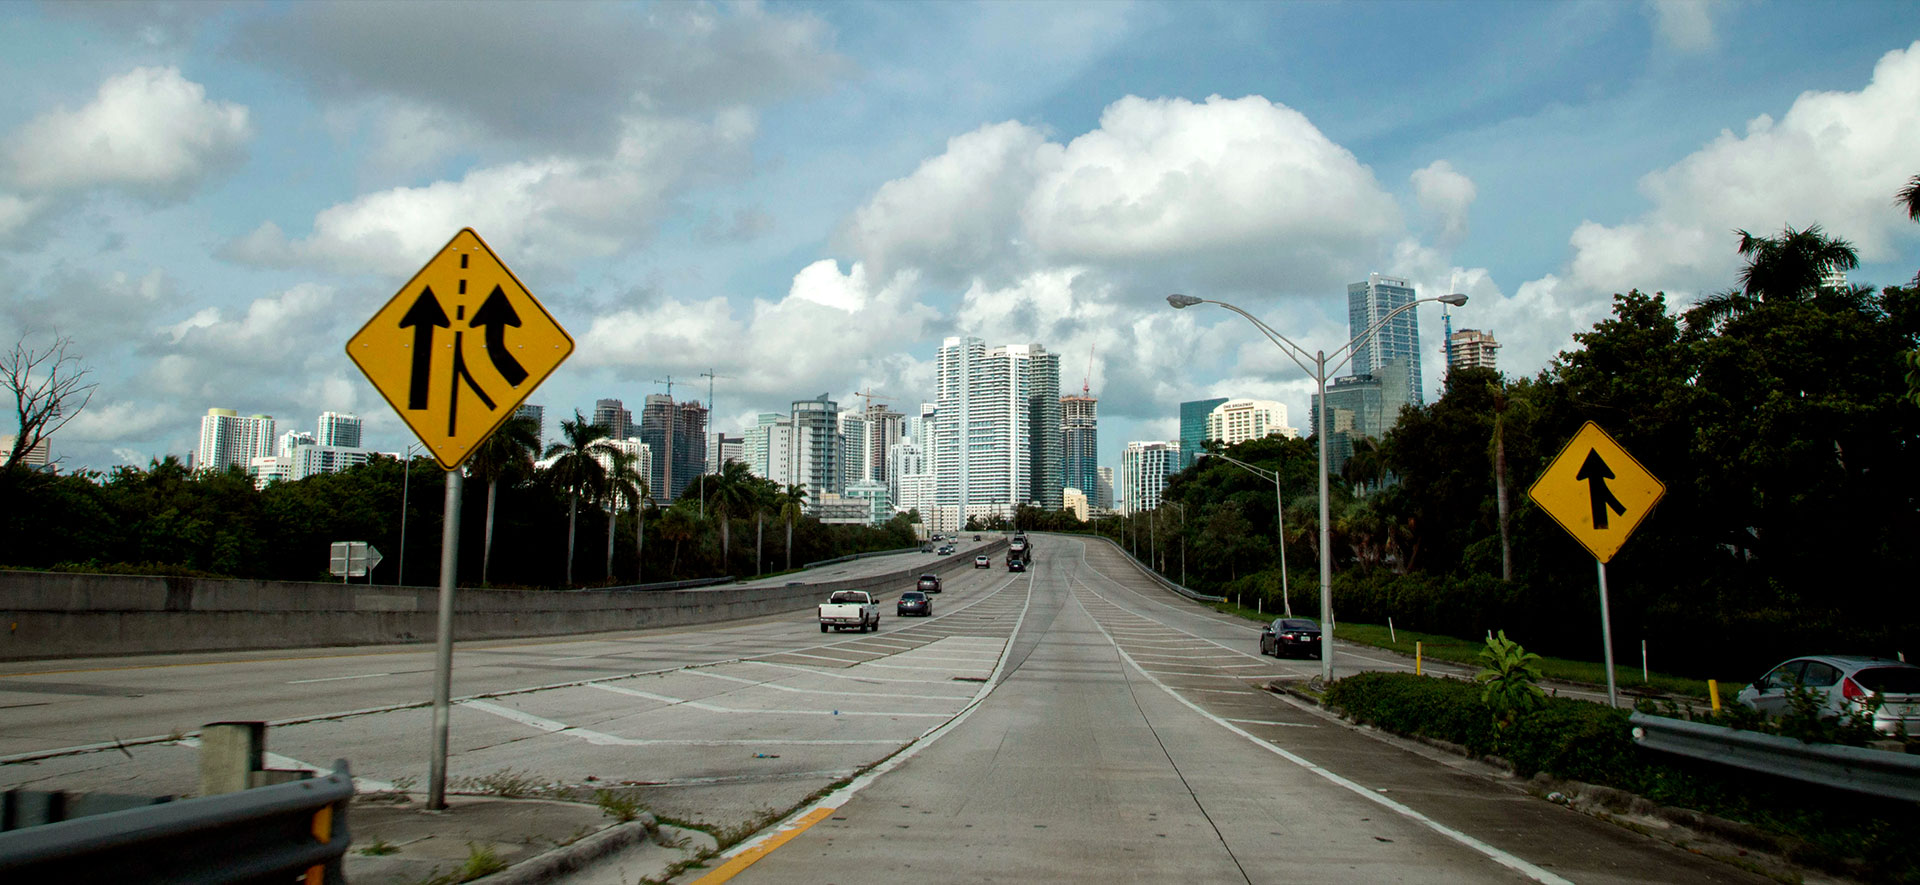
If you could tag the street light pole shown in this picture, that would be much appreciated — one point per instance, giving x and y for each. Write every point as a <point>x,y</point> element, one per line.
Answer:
<point>406,485</point>
<point>1319,370</point>
<point>1280,521</point>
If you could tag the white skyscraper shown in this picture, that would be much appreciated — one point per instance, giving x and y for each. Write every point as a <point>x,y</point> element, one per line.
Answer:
<point>1143,473</point>
<point>228,440</point>
<point>996,434</point>
<point>338,429</point>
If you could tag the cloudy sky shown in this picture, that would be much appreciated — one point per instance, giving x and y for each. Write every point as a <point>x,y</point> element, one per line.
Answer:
<point>210,199</point>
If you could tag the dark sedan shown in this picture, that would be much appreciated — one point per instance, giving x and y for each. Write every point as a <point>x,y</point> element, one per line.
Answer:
<point>929,583</point>
<point>914,602</point>
<point>1286,637</point>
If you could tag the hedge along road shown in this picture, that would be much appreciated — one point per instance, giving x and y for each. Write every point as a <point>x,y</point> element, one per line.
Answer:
<point>1124,737</point>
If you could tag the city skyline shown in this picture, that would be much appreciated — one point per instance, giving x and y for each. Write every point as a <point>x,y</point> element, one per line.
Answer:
<point>210,198</point>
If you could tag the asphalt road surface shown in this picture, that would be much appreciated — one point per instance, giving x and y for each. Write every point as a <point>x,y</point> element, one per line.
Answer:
<point>1074,722</point>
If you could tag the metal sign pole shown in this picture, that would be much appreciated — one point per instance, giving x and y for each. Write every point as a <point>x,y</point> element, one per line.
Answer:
<point>1606,635</point>
<point>443,652</point>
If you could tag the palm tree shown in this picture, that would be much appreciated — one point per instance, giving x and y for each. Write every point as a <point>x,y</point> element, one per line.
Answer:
<point>576,471</point>
<point>678,525</point>
<point>730,493</point>
<point>1909,197</point>
<point>506,454</point>
<point>1794,265</point>
<point>624,485</point>
<point>791,504</point>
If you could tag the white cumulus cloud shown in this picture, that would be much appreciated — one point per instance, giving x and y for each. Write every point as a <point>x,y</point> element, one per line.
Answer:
<point>1445,195</point>
<point>150,132</point>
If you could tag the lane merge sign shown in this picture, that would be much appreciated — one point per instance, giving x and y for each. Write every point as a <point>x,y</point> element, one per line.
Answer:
<point>1596,491</point>
<point>459,347</point>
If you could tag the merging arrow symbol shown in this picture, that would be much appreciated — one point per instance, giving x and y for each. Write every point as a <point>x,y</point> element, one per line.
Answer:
<point>496,314</point>
<point>424,316</point>
<point>1595,472</point>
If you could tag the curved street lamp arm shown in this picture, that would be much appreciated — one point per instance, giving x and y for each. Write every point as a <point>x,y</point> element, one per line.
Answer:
<point>1262,472</point>
<point>1293,351</point>
<point>1348,348</point>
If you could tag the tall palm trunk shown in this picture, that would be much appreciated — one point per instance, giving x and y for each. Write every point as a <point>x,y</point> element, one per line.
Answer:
<point>640,545</point>
<point>573,507</point>
<point>1500,481</point>
<point>613,516</point>
<point>726,537</point>
<point>759,536</point>
<point>486,546</point>
<point>789,544</point>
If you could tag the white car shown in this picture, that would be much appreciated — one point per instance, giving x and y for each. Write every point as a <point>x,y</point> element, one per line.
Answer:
<point>982,562</point>
<point>1848,683</point>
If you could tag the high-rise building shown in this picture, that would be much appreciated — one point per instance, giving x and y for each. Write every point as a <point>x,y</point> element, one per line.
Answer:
<point>1105,501</point>
<point>1080,442</point>
<point>1396,345</point>
<point>816,449</point>
<point>1144,469</point>
<point>725,450</point>
<point>642,458</point>
<point>1471,349</point>
<point>35,458</point>
<point>885,427</point>
<point>538,415</point>
<point>338,429</point>
<point>1359,406</point>
<point>996,432</point>
<point>856,433</point>
<point>765,446</point>
<point>1075,500</point>
<point>228,440</point>
<point>613,415</point>
<point>676,434</point>
<point>1193,429</point>
<point>1238,420</point>
<point>292,439</point>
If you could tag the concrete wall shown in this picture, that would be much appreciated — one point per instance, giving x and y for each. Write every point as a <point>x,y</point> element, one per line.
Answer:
<point>62,615</point>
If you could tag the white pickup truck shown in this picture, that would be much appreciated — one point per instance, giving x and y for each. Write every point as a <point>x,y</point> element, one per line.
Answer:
<point>849,608</point>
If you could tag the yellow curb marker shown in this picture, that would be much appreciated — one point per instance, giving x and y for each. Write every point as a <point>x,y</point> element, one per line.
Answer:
<point>747,858</point>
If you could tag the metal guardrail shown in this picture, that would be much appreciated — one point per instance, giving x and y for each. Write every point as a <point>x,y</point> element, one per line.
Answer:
<point>1858,769</point>
<point>266,833</point>
<point>662,585</point>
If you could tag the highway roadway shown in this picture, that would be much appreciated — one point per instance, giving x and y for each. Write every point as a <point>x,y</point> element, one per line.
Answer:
<point>1074,722</point>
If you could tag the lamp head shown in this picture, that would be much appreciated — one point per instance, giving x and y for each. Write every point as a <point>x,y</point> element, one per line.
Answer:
<point>1456,299</point>
<point>1179,301</point>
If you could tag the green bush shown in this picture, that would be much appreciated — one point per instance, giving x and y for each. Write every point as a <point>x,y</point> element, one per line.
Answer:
<point>1578,740</point>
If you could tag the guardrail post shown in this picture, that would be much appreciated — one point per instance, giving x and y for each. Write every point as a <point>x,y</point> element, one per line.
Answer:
<point>230,752</point>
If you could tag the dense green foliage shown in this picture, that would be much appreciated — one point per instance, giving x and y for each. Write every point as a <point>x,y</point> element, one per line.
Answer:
<point>1776,414</point>
<point>165,519</point>
<point>1577,740</point>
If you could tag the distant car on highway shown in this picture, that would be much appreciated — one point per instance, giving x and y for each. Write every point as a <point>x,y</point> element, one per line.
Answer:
<point>1016,564</point>
<point>1848,684</point>
<point>947,550</point>
<point>849,608</point>
<point>929,583</point>
<point>982,561</point>
<point>1286,637</point>
<point>976,537</point>
<point>914,602</point>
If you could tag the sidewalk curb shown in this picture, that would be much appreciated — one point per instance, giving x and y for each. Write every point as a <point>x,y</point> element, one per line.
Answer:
<point>549,865</point>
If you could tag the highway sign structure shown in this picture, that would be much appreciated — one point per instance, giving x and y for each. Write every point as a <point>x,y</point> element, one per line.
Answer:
<point>1599,494</point>
<point>459,347</point>
<point>1596,491</point>
<point>352,559</point>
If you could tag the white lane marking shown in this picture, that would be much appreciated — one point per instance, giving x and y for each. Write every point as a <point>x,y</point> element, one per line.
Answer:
<point>716,708</point>
<point>857,694</point>
<point>603,739</point>
<point>912,667</point>
<point>1271,722</point>
<point>574,658</point>
<point>845,794</point>
<point>832,675</point>
<point>275,760</point>
<point>339,678</point>
<point>1498,856</point>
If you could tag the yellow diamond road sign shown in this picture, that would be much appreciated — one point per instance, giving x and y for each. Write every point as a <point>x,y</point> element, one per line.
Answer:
<point>459,348</point>
<point>1596,491</point>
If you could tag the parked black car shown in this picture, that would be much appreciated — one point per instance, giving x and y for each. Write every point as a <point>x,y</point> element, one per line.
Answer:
<point>1286,637</point>
<point>914,602</point>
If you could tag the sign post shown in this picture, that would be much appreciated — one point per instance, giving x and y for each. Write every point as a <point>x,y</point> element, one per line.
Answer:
<point>1599,494</point>
<point>442,355</point>
<point>355,559</point>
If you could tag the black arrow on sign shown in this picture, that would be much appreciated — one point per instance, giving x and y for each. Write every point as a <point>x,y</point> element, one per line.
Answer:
<point>1595,473</point>
<point>497,313</point>
<point>423,316</point>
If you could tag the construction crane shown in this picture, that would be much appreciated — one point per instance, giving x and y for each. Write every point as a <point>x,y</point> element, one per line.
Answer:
<point>869,394</point>
<point>1086,383</point>
<point>709,375</point>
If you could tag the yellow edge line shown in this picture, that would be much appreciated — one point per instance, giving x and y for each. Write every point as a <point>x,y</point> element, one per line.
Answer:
<point>747,858</point>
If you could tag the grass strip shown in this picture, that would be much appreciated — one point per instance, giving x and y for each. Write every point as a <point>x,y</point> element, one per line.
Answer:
<point>1456,650</point>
